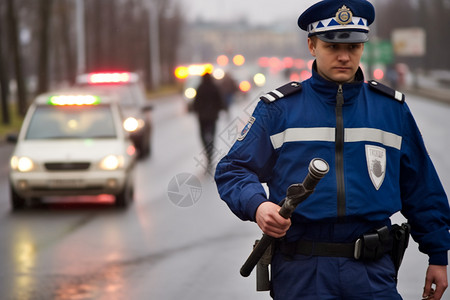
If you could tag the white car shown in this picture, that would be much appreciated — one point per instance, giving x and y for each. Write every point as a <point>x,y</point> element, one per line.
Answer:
<point>72,143</point>
<point>129,90</point>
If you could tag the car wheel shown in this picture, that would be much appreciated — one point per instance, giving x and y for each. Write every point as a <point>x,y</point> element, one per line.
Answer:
<point>125,197</point>
<point>17,202</point>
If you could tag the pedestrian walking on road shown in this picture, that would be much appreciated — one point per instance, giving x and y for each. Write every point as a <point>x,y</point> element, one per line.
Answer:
<point>207,104</point>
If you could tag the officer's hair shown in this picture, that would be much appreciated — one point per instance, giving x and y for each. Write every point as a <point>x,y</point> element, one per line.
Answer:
<point>313,40</point>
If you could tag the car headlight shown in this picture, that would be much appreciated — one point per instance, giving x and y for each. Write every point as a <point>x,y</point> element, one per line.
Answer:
<point>111,162</point>
<point>22,164</point>
<point>131,124</point>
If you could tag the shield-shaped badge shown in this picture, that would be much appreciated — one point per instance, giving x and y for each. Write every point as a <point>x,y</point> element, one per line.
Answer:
<point>376,164</point>
<point>246,129</point>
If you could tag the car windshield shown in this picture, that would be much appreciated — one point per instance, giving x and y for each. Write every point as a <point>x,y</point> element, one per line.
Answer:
<point>71,122</point>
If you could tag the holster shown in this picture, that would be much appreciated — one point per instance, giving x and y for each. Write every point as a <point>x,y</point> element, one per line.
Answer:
<point>373,245</point>
<point>262,270</point>
<point>400,235</point>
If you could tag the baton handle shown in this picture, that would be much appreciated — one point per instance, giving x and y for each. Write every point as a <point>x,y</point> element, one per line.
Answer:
<point>317,169</point>
<point>256,254</point>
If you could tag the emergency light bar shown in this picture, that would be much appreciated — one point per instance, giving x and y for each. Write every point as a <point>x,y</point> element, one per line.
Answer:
<point>123,77</point>
<point>74,100</point>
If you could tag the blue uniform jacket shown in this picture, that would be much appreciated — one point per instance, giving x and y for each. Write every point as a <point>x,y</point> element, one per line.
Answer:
<point>378,162</point>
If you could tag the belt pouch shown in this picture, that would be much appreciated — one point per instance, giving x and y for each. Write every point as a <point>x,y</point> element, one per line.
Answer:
<point>376,244</point>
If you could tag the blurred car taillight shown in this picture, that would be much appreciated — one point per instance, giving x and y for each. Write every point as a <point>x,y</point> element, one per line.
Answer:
<point>123,77</point>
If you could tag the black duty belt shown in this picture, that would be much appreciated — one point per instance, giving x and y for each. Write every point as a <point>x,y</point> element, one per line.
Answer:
<point>311,248</point>
<point>370,246</point>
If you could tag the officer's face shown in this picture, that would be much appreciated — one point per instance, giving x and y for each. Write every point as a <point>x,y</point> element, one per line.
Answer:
<point>336,62</point>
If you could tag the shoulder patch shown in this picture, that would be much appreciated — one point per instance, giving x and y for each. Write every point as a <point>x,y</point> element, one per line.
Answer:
<point>379,87</point>
<point>283,91</point>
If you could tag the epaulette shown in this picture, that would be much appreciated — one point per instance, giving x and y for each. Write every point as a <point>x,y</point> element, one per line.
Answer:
<point>283,91</point>
<point>400,97</point>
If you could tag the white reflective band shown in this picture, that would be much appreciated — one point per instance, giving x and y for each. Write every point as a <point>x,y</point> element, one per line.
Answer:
<point>269,97</point>
<point>278,93</point>
<point>327,134</point>
<point>373,135</point>
<point>324,134</point>
<point>398,96</point>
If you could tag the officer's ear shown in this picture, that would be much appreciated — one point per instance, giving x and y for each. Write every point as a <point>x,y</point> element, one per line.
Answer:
<point>312,45</point>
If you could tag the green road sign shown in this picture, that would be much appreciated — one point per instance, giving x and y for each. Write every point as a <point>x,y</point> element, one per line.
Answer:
<point>379,52</point>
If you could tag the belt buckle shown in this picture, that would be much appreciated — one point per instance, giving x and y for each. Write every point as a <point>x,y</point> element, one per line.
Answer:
<point>357,250</point>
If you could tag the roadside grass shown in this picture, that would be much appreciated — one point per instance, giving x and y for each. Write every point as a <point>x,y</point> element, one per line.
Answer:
<point>14,125</point>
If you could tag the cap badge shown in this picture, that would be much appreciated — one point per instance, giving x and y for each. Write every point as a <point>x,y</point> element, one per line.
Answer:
<point>344,15</point>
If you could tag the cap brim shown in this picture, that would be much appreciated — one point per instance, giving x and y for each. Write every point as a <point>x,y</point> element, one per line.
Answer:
<point>344,37</point>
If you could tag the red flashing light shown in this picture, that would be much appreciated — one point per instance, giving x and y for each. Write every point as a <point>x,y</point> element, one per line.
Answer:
<point>288,62</point>
<point>95,78</point>
<point>263,62</point>
<point>378,74</point>
<point>305,75</point>
<point>294,77</point>
<point>131,150</point>
<point>299,63</point>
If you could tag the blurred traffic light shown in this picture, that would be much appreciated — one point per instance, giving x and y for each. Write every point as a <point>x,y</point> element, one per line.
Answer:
<point>222,60</point>
<point>245,86</point>
<point>238,60</point>
<point>181,72</point>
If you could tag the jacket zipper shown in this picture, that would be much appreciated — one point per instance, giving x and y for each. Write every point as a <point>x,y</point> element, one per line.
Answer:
<point>339,155</point>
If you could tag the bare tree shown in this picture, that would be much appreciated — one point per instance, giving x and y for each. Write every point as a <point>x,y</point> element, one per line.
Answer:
<point>17,57</point>
<point>170,39</point>
<point>118,36</point>
<point>62,36</point>
<point>4,86</point>
<point>44,45</point>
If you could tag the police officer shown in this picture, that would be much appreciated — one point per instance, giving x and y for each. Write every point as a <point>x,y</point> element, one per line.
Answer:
<point>378,166</point>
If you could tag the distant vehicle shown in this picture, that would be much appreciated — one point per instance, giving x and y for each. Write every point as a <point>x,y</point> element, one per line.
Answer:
<point>72,143</point>
<point>132,98</point>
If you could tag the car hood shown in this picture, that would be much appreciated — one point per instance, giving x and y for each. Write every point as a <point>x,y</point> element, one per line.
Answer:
<point>69,150</point>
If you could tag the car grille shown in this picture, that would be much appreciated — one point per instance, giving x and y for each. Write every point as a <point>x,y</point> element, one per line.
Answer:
<point>67,166</point>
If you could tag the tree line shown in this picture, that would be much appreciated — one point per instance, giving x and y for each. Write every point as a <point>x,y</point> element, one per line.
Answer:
<point>38,43</point>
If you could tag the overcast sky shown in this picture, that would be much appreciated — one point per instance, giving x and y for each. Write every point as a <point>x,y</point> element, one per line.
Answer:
<point>256,11</point>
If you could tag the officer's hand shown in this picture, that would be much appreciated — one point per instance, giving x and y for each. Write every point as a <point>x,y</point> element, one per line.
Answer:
<point>438,276</point>
<point>270,221</point>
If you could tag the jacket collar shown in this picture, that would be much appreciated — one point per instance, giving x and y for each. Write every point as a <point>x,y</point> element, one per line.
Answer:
<point>328,89</point>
